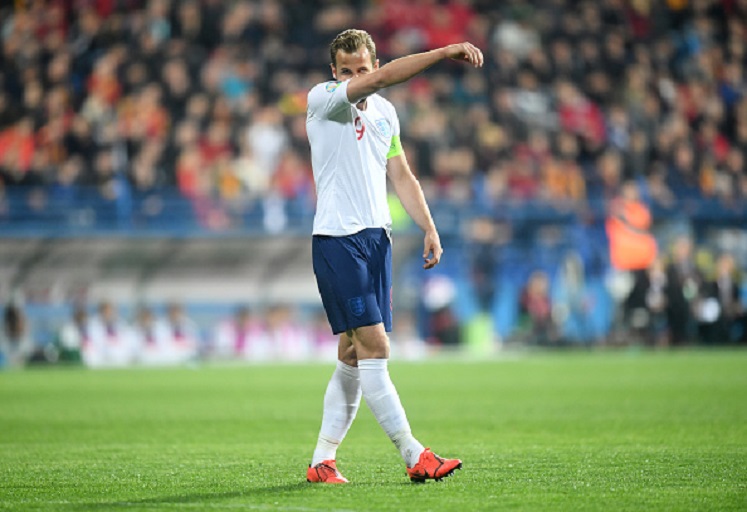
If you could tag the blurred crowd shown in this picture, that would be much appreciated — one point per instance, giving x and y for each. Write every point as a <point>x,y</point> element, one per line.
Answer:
<point>133,98</point>
<point>108,336</point>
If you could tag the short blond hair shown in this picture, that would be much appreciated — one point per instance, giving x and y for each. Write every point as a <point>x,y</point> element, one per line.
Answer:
<point>349,41</point>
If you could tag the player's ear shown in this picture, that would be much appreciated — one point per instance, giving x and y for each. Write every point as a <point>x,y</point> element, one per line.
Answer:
<point>376,64</point>
<point>334,71</point>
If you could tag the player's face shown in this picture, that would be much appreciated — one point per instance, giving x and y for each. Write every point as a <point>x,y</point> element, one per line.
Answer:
<point>350,65</point>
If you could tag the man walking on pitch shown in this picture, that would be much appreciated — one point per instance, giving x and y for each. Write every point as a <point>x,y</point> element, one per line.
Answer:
<point>355,145</point>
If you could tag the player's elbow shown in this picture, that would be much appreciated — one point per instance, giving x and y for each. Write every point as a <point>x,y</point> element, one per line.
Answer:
<point>363,88</point>
<point>379,79</point>
<point>403,181</point>
<point>384,77</point>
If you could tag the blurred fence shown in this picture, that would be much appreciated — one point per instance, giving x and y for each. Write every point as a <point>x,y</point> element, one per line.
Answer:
<point>35,212</point>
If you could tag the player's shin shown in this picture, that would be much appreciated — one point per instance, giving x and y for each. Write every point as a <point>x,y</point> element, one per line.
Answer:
<point>341,402</point>
<point>383,400</point>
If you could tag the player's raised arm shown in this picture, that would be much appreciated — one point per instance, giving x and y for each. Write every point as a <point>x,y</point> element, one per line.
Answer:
<point>353,58</point>
<point>404,68</point>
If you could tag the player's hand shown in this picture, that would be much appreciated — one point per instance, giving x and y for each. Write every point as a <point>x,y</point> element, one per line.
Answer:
<point>465,52</point>
<point>432,249</point>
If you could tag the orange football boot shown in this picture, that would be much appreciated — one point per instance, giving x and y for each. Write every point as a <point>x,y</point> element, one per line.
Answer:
<point>431,466</point>
<point>325,472</point>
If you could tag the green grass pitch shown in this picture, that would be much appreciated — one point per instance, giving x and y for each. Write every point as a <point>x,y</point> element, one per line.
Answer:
<point>593,431</point>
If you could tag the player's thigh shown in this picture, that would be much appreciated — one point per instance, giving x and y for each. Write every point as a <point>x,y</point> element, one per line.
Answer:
<point>371,342</point>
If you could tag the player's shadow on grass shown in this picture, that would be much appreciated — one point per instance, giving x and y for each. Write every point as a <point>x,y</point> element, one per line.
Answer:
<point>273,491</point>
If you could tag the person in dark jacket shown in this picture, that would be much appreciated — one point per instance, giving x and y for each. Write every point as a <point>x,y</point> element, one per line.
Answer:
<point>684,281</point>
<point>721,310</point>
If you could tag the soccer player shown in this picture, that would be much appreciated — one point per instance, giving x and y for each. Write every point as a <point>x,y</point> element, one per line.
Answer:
<point>355,145</point>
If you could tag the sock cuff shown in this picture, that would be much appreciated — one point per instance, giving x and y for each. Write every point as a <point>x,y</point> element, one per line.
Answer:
<point>350,371</point>
<point>372,364</point>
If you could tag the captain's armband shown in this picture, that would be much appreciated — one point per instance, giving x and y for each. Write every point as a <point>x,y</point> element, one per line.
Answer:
<point>395,148</point>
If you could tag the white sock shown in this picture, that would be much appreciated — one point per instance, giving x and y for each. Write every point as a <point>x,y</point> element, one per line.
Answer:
<point>341,403</point>
<point>383,400</point>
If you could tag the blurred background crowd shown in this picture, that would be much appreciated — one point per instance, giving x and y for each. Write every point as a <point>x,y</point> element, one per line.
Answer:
<point>589,181</point>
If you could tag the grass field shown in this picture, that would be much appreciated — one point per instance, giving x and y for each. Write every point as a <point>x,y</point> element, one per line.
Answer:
<point>622,431</point>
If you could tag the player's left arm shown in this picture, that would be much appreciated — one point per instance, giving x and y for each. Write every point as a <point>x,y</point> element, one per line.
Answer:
<point>411,195</point>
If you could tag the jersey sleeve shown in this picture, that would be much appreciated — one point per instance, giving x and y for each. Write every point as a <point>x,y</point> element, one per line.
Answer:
<point>395,146</point>
<point>327,99</point>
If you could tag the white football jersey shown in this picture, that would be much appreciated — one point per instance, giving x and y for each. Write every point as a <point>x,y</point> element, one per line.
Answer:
<point>349,150</point>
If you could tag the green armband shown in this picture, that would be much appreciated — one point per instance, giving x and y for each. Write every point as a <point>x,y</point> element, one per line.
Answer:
<point>395,147</point>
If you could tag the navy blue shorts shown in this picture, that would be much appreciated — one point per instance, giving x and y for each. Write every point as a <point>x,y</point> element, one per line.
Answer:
<point>354,276</point>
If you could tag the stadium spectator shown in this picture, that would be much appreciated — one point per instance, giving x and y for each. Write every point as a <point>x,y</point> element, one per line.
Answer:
<point>485,238</point>
<point>683,283</point>
<point>537,307</point>
<point>73,336</point>
<point>442,325</point>
<point>184,332</point>
<point>572,304</point>
<point>721,312</point>
<point>288,340</point>
<point>16,343</point>
<point>243,336</point>
<point>646,305</point>
<point>632,247</point>
<point>156,341</point>
<point>110,341</point>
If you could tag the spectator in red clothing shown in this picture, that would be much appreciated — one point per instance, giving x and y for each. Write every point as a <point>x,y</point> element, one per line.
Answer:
<point>190,177</point>
<point>216,145</point>
<point>523,179</point>
<point>442,30</point>
<point>293,178</point>
<point>152,118</point>
<point>537,307</point>
<point>142,117</point>
<point>711,142</point>
<point>103,82</point>
<point>17,146</point>
<point>579,115</point>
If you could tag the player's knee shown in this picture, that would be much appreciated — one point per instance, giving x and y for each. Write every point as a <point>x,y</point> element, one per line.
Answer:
<point>348,355</point>
<point>371,342</point>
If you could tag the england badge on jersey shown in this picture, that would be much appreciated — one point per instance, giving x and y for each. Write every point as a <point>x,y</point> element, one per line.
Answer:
<point>357,306</point>
<point>331,86</point>
<point>383,125</point>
